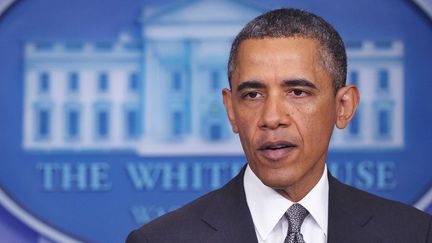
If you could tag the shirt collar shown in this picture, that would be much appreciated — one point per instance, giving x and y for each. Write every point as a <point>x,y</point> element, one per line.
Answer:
<point>316,201</point>
<point>267,206</point>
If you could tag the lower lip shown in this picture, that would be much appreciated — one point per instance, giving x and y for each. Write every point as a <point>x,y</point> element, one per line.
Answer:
<point>276,154</point>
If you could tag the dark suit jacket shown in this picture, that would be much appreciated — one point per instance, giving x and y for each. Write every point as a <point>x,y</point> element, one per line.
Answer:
<point>222,216</point>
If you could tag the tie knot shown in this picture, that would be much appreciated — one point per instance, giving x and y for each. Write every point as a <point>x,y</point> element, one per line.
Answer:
<point>295,215</point>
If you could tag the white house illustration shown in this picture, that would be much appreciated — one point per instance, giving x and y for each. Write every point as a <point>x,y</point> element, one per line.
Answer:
<point>161,94</point>
<point>376,68</point>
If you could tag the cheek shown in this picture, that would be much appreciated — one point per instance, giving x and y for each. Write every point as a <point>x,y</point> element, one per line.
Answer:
<point>247,125</point>
<point>316,122</point>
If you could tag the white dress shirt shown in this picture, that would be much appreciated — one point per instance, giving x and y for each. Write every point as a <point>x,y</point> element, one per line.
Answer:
<point>268,208</point>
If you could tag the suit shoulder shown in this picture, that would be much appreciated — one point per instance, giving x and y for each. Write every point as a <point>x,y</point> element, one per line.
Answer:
<point>194,222</point>
<point>385,206</point>
<point>387,213</point>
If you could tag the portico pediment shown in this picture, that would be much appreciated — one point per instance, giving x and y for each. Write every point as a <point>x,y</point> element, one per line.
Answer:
<point>202,11</point>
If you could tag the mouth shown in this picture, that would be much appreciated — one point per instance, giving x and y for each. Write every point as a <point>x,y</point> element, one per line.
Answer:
<point>276,150</point>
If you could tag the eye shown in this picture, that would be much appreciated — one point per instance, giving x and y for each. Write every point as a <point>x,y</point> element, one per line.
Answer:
<point>252,95</point>
<point>298,92</point>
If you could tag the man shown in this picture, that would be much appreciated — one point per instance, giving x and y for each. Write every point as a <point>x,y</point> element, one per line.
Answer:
<point>287,72</point>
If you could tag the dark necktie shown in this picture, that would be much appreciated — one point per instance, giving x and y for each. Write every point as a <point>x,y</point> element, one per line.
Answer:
<point>295,216</point>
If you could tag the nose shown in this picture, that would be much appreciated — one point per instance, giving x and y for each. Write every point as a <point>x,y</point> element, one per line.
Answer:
<point>274,113</point>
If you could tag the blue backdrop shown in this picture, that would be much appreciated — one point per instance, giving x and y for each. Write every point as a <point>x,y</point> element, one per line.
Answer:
<point>111,112</point>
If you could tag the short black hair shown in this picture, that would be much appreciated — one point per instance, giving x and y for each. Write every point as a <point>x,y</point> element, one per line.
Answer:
<point>291,22</point>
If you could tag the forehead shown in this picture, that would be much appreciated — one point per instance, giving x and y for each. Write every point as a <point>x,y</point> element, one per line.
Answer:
<point>274,48</point>
<point>278,56</point>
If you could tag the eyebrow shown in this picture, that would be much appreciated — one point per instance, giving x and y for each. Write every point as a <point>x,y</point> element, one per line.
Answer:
<point>299,82</point>
<point>292,82</point>
<point>250,85</point>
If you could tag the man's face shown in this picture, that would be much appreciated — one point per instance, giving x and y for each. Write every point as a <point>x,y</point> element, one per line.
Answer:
<point>283,106</point>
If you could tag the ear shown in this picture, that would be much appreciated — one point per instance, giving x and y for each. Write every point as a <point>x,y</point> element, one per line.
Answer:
<point>227,100</point>
<point>347,99</point>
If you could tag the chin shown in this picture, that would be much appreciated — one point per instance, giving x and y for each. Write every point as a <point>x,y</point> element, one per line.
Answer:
<point>278,180</point>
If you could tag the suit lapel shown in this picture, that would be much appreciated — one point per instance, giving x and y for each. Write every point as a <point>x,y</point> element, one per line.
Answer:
<point>348,216</point>
<point>229,214</point>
